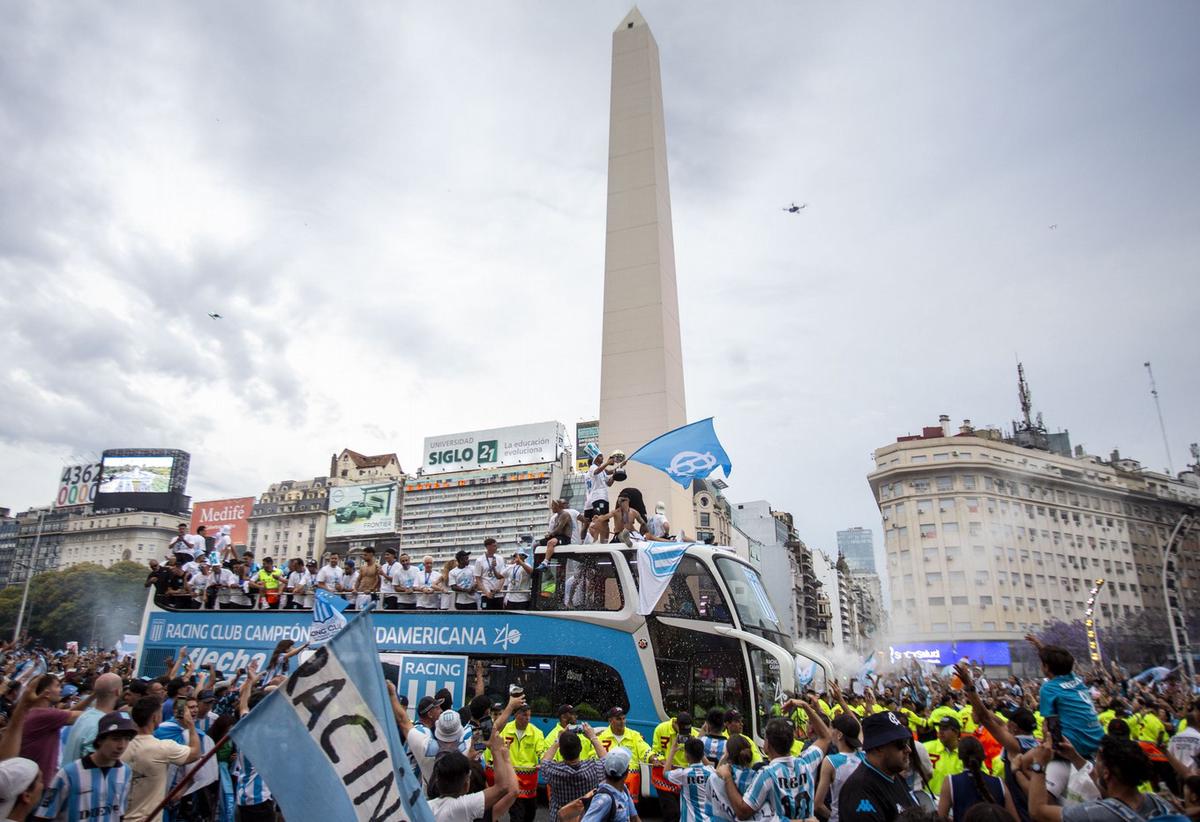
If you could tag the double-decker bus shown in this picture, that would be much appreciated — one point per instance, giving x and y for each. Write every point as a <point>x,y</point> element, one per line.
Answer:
<point>713,639</point>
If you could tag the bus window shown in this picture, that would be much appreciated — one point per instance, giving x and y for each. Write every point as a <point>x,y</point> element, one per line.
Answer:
<point>584,582</point>
<point>750,598</point>
<point>691,594</point>
<point>768,682</point>
<point>549,681</point>
<point>698,671</point>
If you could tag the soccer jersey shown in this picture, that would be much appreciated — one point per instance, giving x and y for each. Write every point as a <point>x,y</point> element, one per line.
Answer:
<point>251,789</point>
<point>83,790</point>
<point>714,748</point>
<point>693,782</point>
<point>721,808</point>
<point>787,785</point>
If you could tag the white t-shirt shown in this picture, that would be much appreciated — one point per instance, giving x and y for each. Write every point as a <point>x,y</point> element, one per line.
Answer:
<point>403,578</point>
<point>300,582</point>
<point>517,584</point>
<point>422,578</point>
<point>199,582</point>
<point>330,577</point>
<point>490,572</point>
<point>385,577</point>
<point>657,525</point>
<point>576,525</point>
<point>463,808</point>
<point>463,578</point>
<point>1185,745</point>
<point>595,482</point>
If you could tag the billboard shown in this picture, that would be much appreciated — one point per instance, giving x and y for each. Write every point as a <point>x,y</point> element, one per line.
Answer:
<point>212,514</point>
<point>586,433</point>
<point>947,653</point>
<point>358,510</point>
<point>146,479</point>
<point>531,444</point>
<point>77,485</point>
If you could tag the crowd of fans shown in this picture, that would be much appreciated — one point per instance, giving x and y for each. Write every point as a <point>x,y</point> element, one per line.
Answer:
<point>83,738</point>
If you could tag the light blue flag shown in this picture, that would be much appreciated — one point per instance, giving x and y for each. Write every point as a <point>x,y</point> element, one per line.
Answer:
<point>328,618</point>
<point>806,670</point>
<point>326,740</point>
<point>686,454</point>
<point>656,562</point>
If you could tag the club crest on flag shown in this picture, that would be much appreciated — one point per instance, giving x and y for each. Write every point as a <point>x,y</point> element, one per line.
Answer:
<point>686,454</point>
<point>328,618</point>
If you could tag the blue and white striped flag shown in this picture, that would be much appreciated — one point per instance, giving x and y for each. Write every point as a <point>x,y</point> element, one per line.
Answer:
<point>331,725</point>
<point>328,618</point>
<point>656,563</point>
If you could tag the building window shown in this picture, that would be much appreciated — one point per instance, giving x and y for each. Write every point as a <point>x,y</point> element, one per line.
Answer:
<point>924,507</point>
<point>985,600</point>
<point>946,505</point>
<point>705,520</point>
<point>968,482</point>
<point>958,600</point>
<point>933,579</point>
<point>945,483</point>
<point>928,531</point>
<point>917,458</point>
<point>937,602</point>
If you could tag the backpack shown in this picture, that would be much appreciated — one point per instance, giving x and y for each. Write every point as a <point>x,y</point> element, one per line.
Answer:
<point>614,799</point>
<point>1163,811</point>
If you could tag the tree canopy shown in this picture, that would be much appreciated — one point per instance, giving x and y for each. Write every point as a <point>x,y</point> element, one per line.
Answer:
<point>85,603</point>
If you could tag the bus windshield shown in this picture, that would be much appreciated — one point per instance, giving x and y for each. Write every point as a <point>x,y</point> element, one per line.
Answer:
<point>749,597</point>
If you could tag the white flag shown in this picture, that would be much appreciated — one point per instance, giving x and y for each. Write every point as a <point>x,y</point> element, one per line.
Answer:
<point>656,562</point>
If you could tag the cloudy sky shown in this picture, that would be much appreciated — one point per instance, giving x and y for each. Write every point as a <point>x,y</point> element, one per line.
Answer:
<point>399,210</point>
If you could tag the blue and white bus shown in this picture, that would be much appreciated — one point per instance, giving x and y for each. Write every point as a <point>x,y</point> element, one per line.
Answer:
<point>713,640</point>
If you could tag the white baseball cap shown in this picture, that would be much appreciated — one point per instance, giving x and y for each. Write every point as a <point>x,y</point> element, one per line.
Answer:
<point>448,727</point>
<point>16,775</point>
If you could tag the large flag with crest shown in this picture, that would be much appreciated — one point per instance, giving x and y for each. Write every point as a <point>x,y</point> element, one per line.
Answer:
<point>326,741</point>
<point>686,454</point>
<point>328,618</point>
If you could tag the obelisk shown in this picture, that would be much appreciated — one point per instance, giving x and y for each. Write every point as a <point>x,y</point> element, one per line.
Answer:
<point>641,363</point>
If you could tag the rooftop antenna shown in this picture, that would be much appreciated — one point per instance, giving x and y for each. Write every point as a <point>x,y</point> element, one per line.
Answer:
<point>1023,395</point>
<point>1161,424</point>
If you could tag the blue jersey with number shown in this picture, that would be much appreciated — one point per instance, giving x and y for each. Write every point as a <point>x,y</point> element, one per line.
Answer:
<point>693,792</point>
<point>1069,698</point>
<point>714,748</point>
<point>787,784</point>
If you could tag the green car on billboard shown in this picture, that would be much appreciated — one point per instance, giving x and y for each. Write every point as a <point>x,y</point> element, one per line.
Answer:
<point>351,512</point>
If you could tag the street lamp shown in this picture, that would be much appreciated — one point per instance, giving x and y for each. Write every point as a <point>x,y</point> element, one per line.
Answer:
<point>29,577</point>
<point>1186,522</point>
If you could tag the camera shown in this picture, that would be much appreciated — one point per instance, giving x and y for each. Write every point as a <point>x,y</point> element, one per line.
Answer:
<point>576,727</point>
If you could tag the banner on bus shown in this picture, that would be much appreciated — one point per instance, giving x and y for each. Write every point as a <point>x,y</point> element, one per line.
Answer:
<point>418,675</point>
<point>656,565</point>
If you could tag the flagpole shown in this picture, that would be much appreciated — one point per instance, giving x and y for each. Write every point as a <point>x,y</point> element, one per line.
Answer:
<point>660,436</point>
<point>183,783</point>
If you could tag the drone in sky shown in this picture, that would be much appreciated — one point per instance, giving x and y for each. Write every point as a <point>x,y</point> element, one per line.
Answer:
<point>795,209</point>
<point>215,316</point>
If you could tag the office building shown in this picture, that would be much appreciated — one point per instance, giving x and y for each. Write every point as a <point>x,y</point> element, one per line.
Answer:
<point>857,545</point>
<point>288,521</point>
<point>988,536</point>
<point>118,536</point>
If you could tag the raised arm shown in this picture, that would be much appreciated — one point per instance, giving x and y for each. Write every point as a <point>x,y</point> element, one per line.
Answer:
<point>984,715</point>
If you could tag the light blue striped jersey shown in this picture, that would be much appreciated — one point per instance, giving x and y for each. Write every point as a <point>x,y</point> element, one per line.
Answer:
<point>714,748</point>
<point>83,791</point>
<point>722,808</point>
<point>693,782</point>
<point>787,784</point>
<point>205,722</point>
<point>251,789</point>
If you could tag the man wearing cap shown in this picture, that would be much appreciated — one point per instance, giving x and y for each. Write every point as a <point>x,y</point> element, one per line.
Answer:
<point>95,787</point>
<point>526,745</point>
<point>611,801</point>
<point>566,718</point>
<point>618,735</point>
<point>664,734</point>
<point>943,753</point>
<point>875,791</point>
<point>20,788</point>
<point>462,583</point>
<point>518,582</point>
<point>837,767</point>
<point>735,726</point>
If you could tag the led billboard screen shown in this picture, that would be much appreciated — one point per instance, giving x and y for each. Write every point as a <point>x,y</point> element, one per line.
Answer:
<point>146,479</point>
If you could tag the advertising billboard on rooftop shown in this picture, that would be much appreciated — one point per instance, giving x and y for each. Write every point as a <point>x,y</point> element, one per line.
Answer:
<point>362,509</point>
<point>539,442</point>
<point>216,513</point>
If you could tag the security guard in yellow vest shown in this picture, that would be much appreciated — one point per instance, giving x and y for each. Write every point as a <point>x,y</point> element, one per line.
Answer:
<point>567,718</point>
<point>617,735</point>
<point>526,744</point>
